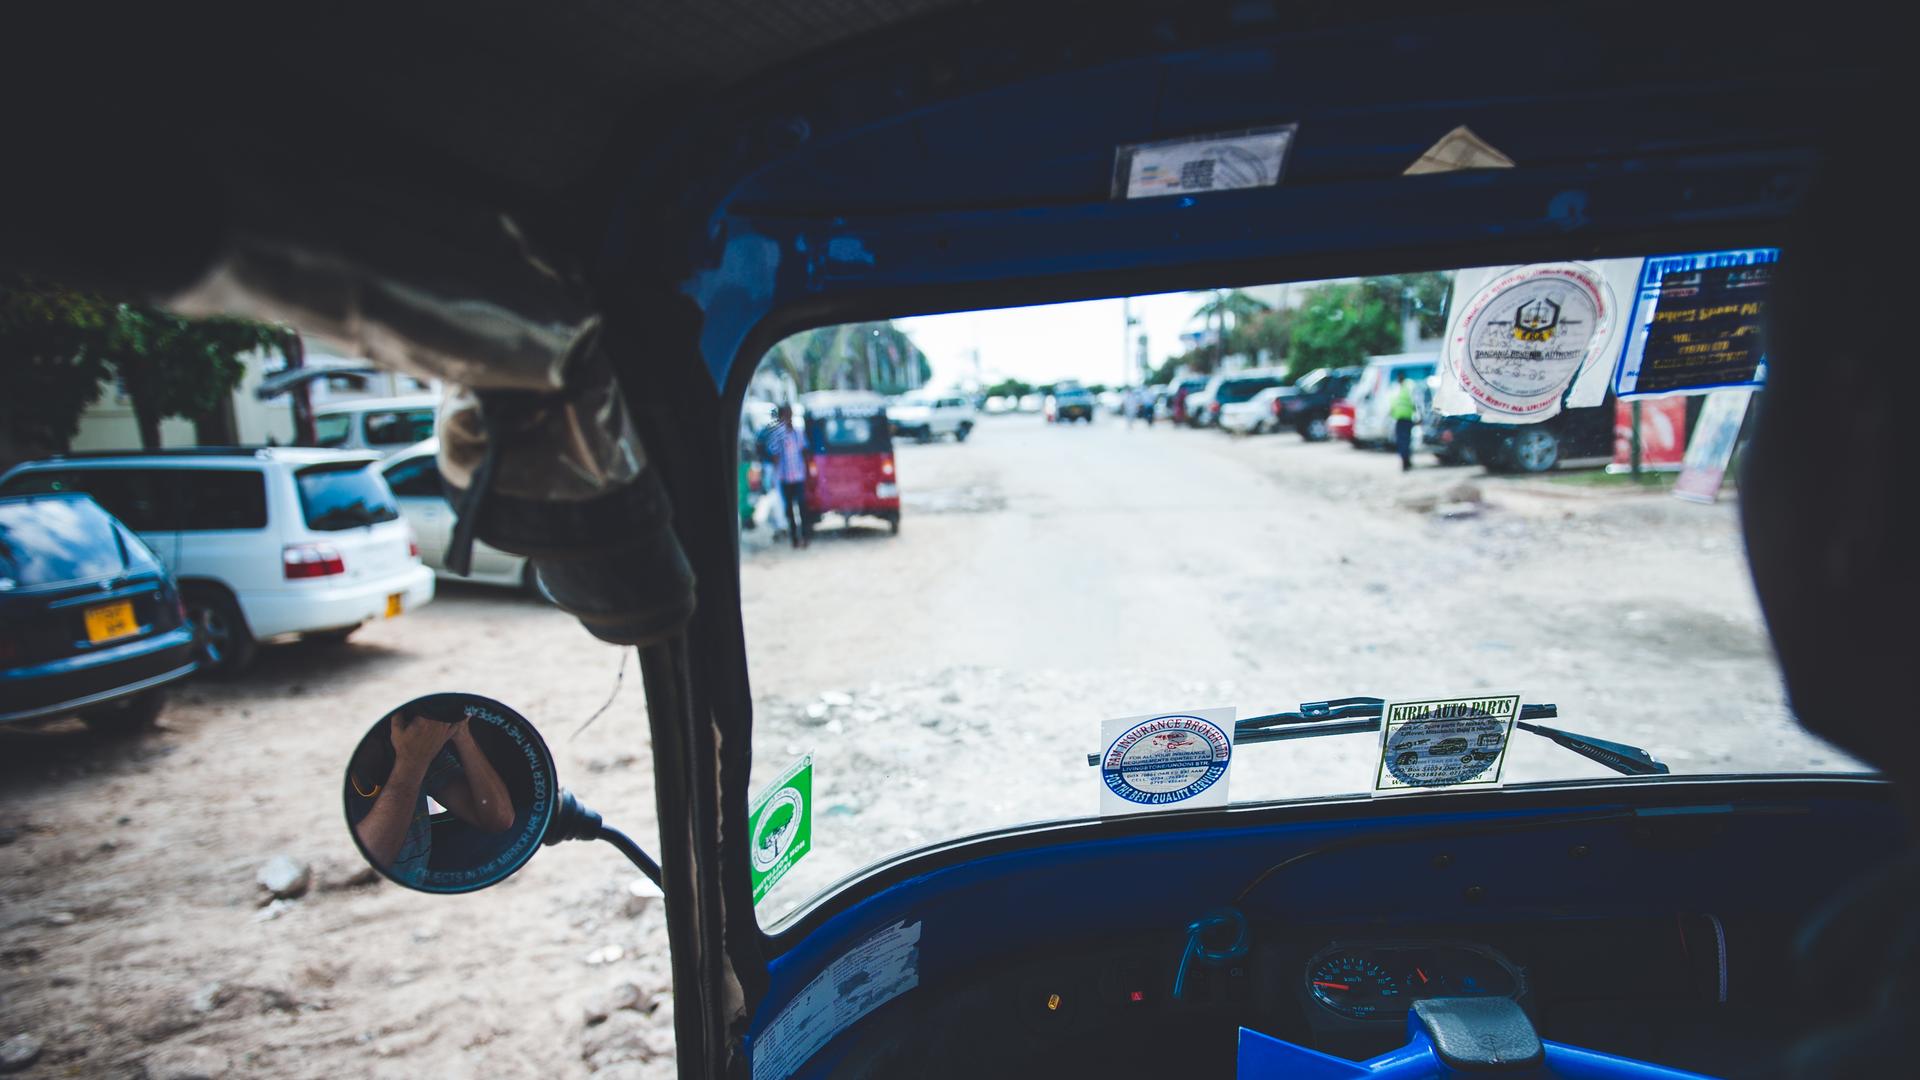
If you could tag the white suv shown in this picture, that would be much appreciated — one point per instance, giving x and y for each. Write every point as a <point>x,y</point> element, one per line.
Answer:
<point>929,416</point>
<point>263,542</point>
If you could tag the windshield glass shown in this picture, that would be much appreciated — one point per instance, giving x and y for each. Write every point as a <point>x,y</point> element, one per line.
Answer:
<point>837,432</point>
<point>345,495</point>
<point>55,541</point>
<point>1045,578</point>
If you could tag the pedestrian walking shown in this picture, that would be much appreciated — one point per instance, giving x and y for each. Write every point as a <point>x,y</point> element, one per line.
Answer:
<point>784,449</point>
<point>1403,409</point>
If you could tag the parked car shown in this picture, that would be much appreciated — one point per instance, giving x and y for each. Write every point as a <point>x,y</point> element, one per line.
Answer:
<point>388,425</point>
<point>1571,438</point>
<point>1372,394</point>
<point>1237,392</point>
<point>1253,416</point>
<point>1451,438</point>
<point>90,622</point>
<point>1069,401</point>
<point>414,476</point>
<point>1340,419</point>
<point>263,542</point>
<point>926,417</point>
<point>1307,405</point>
<point>1177,397</point>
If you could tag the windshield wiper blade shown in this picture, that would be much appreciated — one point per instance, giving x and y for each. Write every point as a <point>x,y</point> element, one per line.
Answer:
<point>1358,715</point>
<point>1621,758</point>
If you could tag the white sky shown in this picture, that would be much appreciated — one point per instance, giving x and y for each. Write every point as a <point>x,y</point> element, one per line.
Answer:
<point>1055,341</point>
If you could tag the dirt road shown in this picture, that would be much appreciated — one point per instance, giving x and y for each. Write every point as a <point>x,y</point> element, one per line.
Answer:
<point>947,680</point>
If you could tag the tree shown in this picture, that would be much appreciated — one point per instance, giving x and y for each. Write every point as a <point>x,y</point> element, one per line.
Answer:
<point>60,345</point>
<point>1423,296</point>
<point>1226,309</point>
<point>1009,388</point>
<point>1341,325</point>
<point>876,356</point>
<point>1270,332</point>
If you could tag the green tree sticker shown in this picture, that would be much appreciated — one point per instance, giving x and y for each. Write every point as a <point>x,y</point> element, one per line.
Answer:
<point>781,826</point>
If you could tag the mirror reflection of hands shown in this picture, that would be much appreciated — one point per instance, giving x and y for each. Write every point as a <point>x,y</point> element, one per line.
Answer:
<point>416,741</point>
<point>478,796</point>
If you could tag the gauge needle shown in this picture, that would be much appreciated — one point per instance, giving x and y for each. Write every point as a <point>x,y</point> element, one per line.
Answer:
<point>1332,985</point>
<point>1422,974</point>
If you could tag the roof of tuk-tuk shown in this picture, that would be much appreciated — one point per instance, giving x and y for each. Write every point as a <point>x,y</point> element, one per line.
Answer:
<point>819,161</point>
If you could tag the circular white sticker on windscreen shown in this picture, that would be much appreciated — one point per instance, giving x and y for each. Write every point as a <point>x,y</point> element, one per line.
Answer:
<point>1167,760</point>
<point>1522,339</point>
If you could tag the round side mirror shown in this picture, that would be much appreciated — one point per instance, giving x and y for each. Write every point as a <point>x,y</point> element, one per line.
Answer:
<point>450,793</point>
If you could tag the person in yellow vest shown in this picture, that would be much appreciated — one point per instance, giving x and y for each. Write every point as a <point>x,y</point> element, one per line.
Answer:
<point>1403,409</point>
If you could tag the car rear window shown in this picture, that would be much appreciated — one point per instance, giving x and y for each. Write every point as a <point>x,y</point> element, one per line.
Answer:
<point>400,427</point>
<point>53,541</point>
<point>841,433</point>
<point>1235,391</point>
<point>344,495</point>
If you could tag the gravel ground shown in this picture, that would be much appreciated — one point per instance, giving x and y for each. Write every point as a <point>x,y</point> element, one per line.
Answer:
<point>947,680</point>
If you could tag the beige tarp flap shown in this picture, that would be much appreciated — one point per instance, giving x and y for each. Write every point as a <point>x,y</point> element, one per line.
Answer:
<point>1459,149</point>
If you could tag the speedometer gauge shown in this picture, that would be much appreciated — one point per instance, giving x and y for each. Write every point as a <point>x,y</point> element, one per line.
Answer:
<point>1353,985</point>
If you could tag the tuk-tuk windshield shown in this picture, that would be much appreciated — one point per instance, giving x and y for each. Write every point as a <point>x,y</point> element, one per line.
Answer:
<point>1051,577</point>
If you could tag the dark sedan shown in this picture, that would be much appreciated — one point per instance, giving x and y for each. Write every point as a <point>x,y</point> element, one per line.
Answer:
<point>89,621</point>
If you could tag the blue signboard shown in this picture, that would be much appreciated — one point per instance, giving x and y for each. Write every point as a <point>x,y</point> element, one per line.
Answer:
<point>1696,278</point>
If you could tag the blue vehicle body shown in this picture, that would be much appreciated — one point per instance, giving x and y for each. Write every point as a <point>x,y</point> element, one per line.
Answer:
<point>52,669</point>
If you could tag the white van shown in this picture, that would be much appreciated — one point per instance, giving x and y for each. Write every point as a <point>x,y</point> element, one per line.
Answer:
<point>387,425</point>
<point>1372,394</point>
<point>282,540</point>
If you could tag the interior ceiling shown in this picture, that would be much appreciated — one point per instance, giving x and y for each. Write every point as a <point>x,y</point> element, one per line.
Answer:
<point>532,93</point>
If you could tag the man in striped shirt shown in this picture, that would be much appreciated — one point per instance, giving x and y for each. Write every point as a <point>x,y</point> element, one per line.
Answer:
<point>784,448</point>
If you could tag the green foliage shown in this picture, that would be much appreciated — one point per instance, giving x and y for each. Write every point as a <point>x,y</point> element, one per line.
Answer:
<point>60,344</point>
<point>1341,325</point>
<point>876,356</point>
<point>1269,331</point>
<point>1013,388</point>
<point>1424,295</point>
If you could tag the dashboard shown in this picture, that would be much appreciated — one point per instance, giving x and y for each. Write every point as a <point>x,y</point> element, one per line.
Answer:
<point>1653,988</point>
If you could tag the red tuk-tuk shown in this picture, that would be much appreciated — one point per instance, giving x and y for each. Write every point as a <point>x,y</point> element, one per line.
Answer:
<point>850,457</point>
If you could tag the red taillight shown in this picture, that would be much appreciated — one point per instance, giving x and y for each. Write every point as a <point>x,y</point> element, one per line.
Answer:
<point>413,545</point>
<point>1276,407</point>
<point>311,561</point>
<point>886,465</point>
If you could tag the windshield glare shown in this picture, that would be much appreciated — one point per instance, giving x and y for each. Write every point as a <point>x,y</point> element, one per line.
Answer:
<point>1047,576</point>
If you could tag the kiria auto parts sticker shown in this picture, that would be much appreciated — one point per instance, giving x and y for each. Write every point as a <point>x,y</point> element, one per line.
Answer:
<point>1165,761</point>
<point>781,826</point>
<point>1448,742</point>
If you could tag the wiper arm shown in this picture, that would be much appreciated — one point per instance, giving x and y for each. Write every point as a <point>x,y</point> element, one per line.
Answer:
<point>1358,715</point>
<point>1621,758</point>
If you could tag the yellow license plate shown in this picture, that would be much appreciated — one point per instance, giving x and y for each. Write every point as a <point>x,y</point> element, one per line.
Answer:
<point>393,604</point>
<point>109,622</point>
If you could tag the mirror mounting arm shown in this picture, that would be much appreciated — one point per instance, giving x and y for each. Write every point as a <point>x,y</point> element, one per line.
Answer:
<point>574,820</point>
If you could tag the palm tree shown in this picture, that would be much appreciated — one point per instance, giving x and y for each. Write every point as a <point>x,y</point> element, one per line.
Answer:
<point>1224,308</point>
